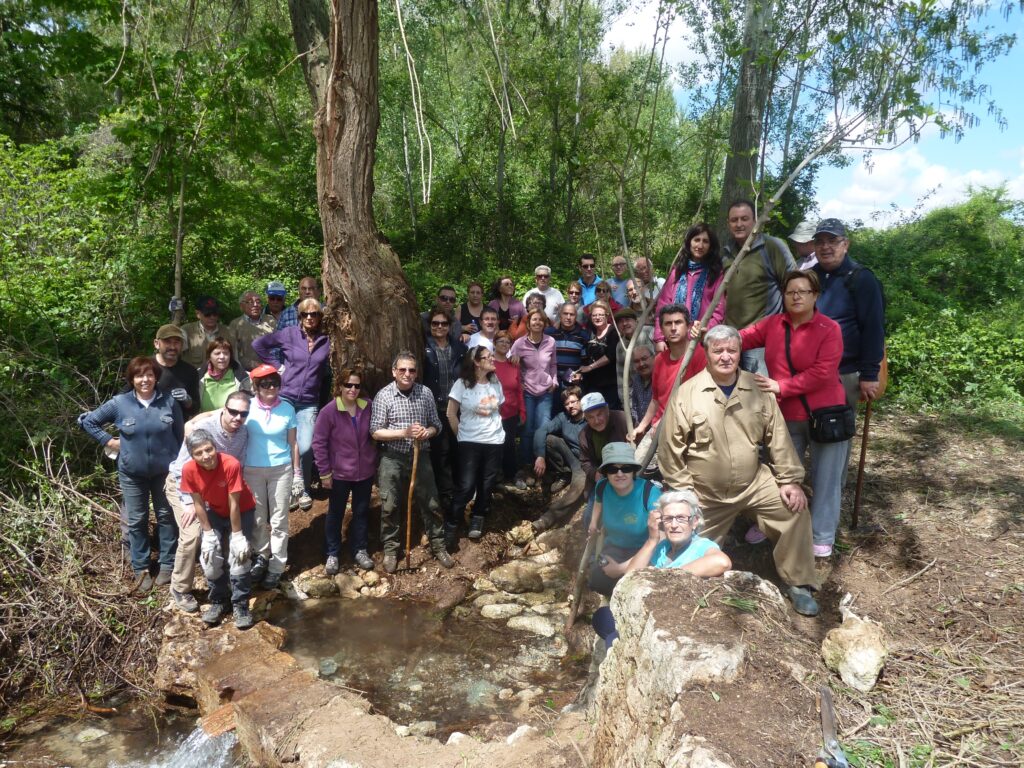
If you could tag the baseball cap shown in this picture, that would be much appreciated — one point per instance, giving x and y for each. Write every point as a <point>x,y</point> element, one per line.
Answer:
<point>593,400</point>
<point>276,288</point>
<point>208,305</point>
<point>804,232</point>
<point>541,269</point>
<point>169,331</point>
<point>261,371</point>
<point>830,227</point>
<point>626,313</point>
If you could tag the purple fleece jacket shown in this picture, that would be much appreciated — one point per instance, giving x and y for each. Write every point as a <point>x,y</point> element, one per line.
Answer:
<point>343,448</point>
<point>303,370</point>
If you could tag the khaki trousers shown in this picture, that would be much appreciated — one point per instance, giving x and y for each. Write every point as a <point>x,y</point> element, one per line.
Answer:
<point>183,575</point>
<point>789,532</point>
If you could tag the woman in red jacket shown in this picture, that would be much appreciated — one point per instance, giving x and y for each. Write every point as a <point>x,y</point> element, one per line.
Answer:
<point>815,347</point>
<point>346,458</point>
<point>513,410</point>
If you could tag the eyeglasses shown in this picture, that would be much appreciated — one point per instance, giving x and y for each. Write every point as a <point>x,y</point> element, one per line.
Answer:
<point>543,277</point>
<point>676,519</point>
<point>252,301</point>
<point>305,315</point>
<point>447,299</point>
<point>795,294</point>
<point>587,266</point>
<point>406,370</point>
<point>603,290</point>
<point>236,414</point>
<point>618,264</point>
<point>268,385</point>
<point>614,469</point>
<point>439,323</point>
<point>350,385</point>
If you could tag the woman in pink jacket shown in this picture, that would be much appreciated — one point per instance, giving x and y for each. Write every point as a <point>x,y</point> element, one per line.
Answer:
<point>536,354</point>
<point>346,458</point>
<point>693,279</point>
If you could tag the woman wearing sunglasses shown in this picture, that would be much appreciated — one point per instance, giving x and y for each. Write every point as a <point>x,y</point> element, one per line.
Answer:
<point>346,458</point>
<point>621,504</point>
<point>305,351</point>
<point>272,473</point>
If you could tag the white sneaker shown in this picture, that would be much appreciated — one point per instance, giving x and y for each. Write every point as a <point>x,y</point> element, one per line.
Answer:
<point>305,501</point>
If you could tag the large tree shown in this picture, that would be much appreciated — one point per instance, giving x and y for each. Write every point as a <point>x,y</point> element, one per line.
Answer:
<point>370,306</point>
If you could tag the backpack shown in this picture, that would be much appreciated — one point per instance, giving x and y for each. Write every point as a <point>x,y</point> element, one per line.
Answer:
<point>648,487</point>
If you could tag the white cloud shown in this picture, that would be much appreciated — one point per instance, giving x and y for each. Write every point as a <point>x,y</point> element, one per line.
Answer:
<point>634,30</point>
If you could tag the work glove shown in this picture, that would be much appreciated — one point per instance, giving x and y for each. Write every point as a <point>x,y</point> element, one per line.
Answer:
<point>210,557</point>
<point>298,487</point>
<point>181,395</point>
<point>239,549</point>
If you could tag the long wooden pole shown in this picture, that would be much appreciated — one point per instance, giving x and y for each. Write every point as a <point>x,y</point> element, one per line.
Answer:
<point>855,517</point>
<point>408,507</point>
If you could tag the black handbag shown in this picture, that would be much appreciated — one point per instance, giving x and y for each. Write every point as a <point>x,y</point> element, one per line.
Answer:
<point>834,424</point>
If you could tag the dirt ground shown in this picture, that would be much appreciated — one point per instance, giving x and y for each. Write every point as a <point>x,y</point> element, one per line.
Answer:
<point>938,560</point>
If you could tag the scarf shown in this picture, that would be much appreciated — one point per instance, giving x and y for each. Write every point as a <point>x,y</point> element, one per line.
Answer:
<point>267,408</point>
<point>698,287</point>
<point>213,374</point>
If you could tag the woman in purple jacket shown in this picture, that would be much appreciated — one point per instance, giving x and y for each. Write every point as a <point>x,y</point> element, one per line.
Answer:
<point>346,458</point>
<point>306,351</point>
<point>536,355</point>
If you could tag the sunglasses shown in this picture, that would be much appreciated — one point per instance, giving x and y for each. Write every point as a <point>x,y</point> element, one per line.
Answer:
<point>304,315</point>
<point>603,290</point>
<point>268,385</point>
<point>406,370</point>
<point>614,469</point>
<point>350,385</point>
<point>439,323</point>
<point>543,277</point>
<point>447,299</point>
<point>586,266</point>
<point>237,414</point>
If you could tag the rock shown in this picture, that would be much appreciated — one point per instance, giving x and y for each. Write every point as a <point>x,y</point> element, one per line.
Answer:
<point>370,578</point>
<point>289,590</point>
<point>750,585</point>
<point>320,587</point>
<point>534,548</point>
<point>538,625</point>
<point>856,649</point>
<point>555,577</point>
<point>90,734</point>
<point>492,598</point>
<point>327,667</point>
<point>554,538</point>
<point>517,576</point>
<point>261,603</point>
<point>551,609</point>
<point>501,611</point>
<point>451,595</point>
<point>457,737</point>
<point>797,671</point>
<point>693,753</point>
<point>536,598</point>
<point>483,585</point>
<point>380,590</point>
<point>423,728</point>
<point>403,730</point>
<point>551,557</point>
<point>505,694</point>
<point>348,584</point>
<point>529,694</point>
<point>521,534</point>
<point>520,733</point>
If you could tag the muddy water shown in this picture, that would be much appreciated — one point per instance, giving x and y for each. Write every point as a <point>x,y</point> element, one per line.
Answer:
<point>415,667</point>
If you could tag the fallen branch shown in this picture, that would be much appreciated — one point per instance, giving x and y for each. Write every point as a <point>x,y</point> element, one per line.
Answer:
<point>904,582</point>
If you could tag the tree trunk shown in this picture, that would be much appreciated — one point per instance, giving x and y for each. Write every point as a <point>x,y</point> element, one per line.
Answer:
<point>752,90</point>
<point>369,305</point>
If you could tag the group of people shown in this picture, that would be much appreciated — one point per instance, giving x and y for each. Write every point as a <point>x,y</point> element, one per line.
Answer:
<point>524,390</point>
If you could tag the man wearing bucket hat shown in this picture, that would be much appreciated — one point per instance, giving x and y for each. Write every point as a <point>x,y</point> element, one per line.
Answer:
<point>802,239</point>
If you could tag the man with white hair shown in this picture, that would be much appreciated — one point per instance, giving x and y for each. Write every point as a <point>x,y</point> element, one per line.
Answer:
<point>553,297</point>
<point>247,327</point>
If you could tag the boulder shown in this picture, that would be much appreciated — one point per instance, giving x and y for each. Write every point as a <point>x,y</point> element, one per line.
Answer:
<point>856,649</point>
<point>501,611</point>
<point>538,625</point>
<point>518,576</point>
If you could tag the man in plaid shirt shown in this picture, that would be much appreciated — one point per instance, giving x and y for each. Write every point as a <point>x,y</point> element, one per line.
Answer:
<point>404,412</point>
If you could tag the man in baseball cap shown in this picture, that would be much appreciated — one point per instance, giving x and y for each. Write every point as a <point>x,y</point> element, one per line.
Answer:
<point>177,378</point>
<point>203,330</point>
<point>275,299</point>
<point>803,244</point>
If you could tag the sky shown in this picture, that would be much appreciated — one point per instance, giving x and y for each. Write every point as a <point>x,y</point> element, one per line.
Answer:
<point>930,173</point>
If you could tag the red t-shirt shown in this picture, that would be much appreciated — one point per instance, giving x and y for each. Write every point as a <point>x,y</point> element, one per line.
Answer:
<point>664,376</point>
<point>214,485</point>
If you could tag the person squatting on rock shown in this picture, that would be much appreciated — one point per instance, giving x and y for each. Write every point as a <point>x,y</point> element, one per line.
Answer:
<point>224,506</point>
<point>558,440</point>
<point>404,412</point>
<point>226,428</point>
<point>714,429</point>
<point>673,541</point>
<point>346,460</point>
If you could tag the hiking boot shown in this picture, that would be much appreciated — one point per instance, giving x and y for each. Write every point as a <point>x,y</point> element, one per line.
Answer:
<point>363,560</point>
<point>476,527</point>
<point>271,580</point>
<point>390,562</point>
<point>823,550</point>
<point>754,535</point>
<point>143,583</point>
<point>185,601</point>
<point>333,566</point>
<point>163,578</point>
<point>259,569</point>
<point>305,501</point>
<point>243,616</point>
<point>803,602</point>
<point>443,557</point>
<point>212,616</point>
<point>451,537</point>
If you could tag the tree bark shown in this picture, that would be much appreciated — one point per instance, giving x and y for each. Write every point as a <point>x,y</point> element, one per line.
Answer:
<point>370,308</point>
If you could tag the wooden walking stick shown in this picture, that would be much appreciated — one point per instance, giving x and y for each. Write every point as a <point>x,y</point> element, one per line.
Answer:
<point>854,518</point>
<point>594,541</point>
<point>408,507</point>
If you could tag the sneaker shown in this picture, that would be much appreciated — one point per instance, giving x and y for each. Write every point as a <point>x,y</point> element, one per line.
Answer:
<point>476,526</point>
<point>305,501</point>
<point>443,557</point>
<point>803,602</point>
<point>363,560</point>
<point>333,566</point>
<point>390,562</point>
<point>259,569</point>
<point>213,615</point>
<point>823,550</point>
<point>163,578</point>
<point>243,616</point>
<point>754,535</point>
<point>271,580</point>
<point>184,601</point>
<point>143,583</point>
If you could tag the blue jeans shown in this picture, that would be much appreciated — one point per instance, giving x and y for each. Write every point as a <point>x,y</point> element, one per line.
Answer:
<point>478,472</point>
<point>537,409</point>
<point>358,538</point>
<point>237,584</point>
<point>752,360</point>
<point>305,418</point>
<point>137,492</point>
<point>827,465</point>
<point>508,453</point>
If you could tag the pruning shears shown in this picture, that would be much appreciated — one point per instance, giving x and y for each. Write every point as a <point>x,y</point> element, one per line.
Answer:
<point>831,755</point>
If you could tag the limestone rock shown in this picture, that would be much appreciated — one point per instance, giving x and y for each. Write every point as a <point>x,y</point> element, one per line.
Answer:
<point>693,753</point>
<point>538,625</point>
<point>370,578</point>
<point>755,586</point>
<point>550,557</point>
<point>348,584</point>
<point>521,534</point>
<point>403,730</point>
<point>555,538</point>
<point>856,649</point>
<point>319,587</point>
<point>520,733</point>
<point>517,576</point>
<point>483,585</point>
<point>457,737</point>
<point>501,611</point>
<point>423,728</point>
<point>87,735</point>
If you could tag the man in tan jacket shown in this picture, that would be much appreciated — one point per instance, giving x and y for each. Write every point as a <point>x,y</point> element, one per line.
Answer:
<point>713,430</point>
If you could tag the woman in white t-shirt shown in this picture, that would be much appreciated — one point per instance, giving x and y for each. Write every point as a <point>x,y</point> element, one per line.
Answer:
<point>473,412</point>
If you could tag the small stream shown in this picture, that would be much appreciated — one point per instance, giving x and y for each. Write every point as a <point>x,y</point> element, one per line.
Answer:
<point>417,668</point>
